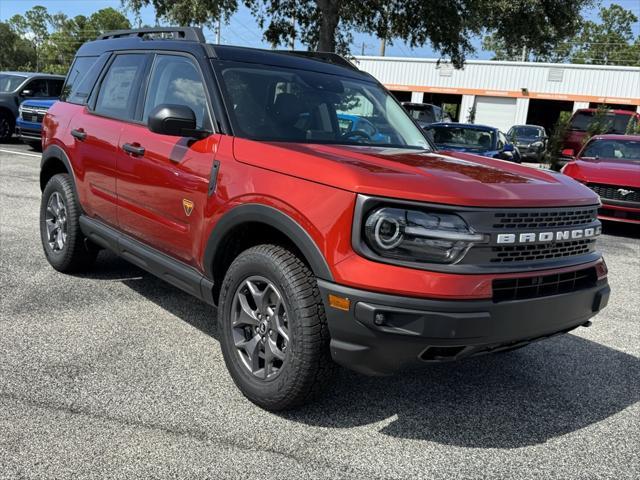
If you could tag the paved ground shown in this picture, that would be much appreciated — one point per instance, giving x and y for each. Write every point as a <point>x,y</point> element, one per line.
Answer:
<point>118,375</point>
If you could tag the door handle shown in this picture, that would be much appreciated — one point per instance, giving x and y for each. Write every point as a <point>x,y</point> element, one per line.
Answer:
<point>79,134</point>
<point>133,149</point>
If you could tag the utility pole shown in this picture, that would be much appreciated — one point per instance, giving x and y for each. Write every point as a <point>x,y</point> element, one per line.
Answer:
<point>218,31</point>
<point>362,50</point>
<point>524,53</point>
<point>383,46</point>
<point>293,32</point>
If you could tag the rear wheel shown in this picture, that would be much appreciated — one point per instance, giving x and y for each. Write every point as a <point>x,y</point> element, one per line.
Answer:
<point>64,244</point>
<point>275,339</point>
<point>7,125</point>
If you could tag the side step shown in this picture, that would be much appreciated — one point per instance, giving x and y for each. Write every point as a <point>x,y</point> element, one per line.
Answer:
<point>169,269</point>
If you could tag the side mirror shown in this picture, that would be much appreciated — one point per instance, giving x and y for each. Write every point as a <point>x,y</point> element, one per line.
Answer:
<point>508,147</point>
<point>568,152</point>
<point>177,120</point>
<point>27,93</point>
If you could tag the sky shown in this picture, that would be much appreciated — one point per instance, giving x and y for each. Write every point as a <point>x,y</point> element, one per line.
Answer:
<point>243,30</point>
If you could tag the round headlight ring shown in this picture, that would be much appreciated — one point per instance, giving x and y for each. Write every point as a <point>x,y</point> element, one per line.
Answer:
<point>396,238</point>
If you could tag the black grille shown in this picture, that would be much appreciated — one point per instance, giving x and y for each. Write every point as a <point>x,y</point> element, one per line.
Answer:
<point>612,192</point>
<point>543,286</point>
<point>545,251</point>
<point>544,218</point>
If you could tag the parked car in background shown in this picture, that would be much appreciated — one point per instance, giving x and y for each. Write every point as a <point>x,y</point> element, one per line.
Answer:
<point>15,87</point>
<point>610,166</point>
<point>617,123</point>
<point>426,114</point>
<point>29,121</point>
<point>530,140</point>
<point>479,139</point>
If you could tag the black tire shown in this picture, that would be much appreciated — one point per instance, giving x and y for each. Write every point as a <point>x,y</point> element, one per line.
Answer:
<point>7,126</point>
<point>307,367</point>
<point>75,254</point>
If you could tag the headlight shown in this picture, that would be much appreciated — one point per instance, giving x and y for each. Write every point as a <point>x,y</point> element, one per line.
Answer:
<point>417,236</point>
<point>537,144</point>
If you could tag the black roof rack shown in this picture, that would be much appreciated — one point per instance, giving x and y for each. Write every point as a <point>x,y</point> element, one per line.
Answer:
<point>193,34</point>
<point>328,57</point>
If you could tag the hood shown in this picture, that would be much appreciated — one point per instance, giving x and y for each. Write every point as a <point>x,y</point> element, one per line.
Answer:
<point>528,140</point>
<point>477,151</point>
<point>436,177</point>
<point>38,103</point>
<point>607,171</point>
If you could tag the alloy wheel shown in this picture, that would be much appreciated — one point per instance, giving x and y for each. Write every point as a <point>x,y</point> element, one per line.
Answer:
<point>56,222</point>
<point>260,327</point>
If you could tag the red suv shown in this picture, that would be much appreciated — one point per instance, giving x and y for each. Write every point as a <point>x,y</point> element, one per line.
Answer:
<point>225,171</point>
<point>618,122</point>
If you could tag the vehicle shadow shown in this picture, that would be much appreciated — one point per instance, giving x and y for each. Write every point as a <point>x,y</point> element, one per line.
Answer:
<point>621,229</point>
<point>508,400</point>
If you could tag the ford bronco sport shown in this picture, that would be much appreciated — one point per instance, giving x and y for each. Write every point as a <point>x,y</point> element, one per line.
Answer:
<point>225,171</point>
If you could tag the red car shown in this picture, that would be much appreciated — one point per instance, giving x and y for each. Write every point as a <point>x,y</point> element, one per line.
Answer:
<point>618,122</point>
<point>225,172</point>
<point>610,166</point>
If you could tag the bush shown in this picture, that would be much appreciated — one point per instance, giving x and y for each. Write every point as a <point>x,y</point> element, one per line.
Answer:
<point>556,140</point>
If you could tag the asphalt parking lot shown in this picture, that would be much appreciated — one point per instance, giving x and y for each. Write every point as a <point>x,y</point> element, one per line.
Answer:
<point>116,374</point>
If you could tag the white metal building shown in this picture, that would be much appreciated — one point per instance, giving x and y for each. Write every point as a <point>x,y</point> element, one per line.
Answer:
<point>507,93</point>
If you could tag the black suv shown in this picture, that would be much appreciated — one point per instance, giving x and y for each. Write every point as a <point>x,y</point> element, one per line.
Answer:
<point>15,87</point>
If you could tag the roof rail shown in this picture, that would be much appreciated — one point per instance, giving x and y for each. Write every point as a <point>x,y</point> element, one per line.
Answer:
<point>193,34</point>
<point>328,57</point>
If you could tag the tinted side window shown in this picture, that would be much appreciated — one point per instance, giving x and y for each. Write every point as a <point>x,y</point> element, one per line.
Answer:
<point>77,72</point>
<point>55,87</point>
<point>38,88</point>
<point>176,80</point>
<point>120,86</point>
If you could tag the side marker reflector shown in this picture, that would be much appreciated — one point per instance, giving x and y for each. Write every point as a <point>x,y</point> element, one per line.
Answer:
<point>341,303</point>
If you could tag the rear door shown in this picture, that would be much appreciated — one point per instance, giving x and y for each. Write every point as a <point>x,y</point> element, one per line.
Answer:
<point>96,130</point>
<point>163,189</point>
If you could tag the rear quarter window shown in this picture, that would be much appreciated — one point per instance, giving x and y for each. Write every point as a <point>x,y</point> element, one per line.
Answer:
<point>81,78</point>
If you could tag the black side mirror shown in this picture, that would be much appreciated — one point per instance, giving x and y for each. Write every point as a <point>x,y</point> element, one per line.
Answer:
<point>178,120</point>
<point>27,93</point>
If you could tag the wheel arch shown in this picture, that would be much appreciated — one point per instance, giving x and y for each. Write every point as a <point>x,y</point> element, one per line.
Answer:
<point>55,160</point>
<point>238,230</point>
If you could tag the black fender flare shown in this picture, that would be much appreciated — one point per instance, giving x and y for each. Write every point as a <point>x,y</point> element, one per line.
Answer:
<point>258,213</point>
<point>58,154</point>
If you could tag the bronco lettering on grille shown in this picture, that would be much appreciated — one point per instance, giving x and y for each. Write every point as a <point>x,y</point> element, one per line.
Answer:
<point>558,236</point>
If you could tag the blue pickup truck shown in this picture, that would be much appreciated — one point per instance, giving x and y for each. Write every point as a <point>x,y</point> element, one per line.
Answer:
<point>29,121</point>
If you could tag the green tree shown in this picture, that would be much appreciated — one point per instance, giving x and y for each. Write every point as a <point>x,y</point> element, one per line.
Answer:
<point>447,25</point>
<point>55,38</point>
<point>556,140</point>
<point>16,52</point>
<point>610,41</point>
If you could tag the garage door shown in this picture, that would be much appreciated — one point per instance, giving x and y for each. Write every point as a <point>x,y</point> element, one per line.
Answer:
<point>496,111</point>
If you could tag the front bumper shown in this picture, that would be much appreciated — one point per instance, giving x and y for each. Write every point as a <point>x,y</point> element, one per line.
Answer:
<point>380,333</point>
<point>616,211</point>
<point>28,130</point>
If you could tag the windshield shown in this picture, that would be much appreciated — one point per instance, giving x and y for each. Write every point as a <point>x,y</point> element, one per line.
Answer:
<point>618,149</point>
<point>284,105</point>
<point>461,137</point>
<point>615,122</point>
<point>8,83</point>
<point>526,132</point>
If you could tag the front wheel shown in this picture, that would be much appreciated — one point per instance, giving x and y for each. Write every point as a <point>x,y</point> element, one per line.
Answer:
<point>7,125</point>
<point>275,339</point>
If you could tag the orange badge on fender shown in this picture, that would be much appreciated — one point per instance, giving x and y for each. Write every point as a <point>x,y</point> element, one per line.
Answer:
<point>188,206</point>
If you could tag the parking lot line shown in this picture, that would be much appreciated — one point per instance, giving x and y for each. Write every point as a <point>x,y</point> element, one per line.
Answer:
<point>20,153</point>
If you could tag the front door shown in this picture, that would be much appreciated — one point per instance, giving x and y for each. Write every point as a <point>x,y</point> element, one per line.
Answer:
<point>163,180</point>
